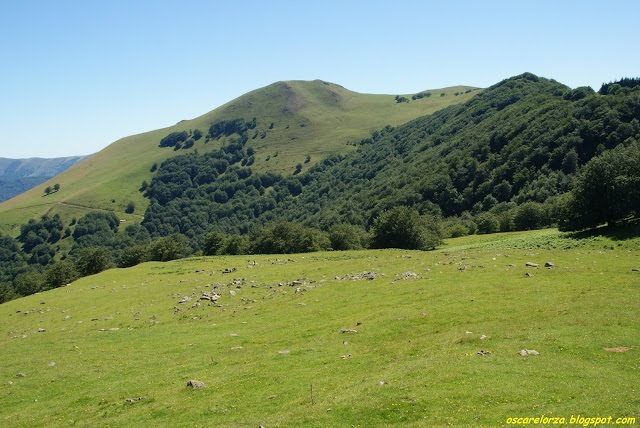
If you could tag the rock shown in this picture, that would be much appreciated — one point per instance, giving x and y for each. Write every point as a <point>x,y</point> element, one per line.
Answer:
<point>407,275</point>
<point>382,382</point>
<point>284,352</point>
<point>617,349</point>
<point>51,364</point>
<point>358,276</point>
<point>527,352</point>
<point>482,352</point>
<point>196,384</point>
<point>549,264</point>
<point>42,330</point>
<point>20,374</point>
<point>484,337</point>
<point>531,264</point>
<point>184,299</point>
<point>348,330</point>
<point>232,292</point>
<point>635,269</point>
<point>132,400</point>
<point>527,274</point>
<point>229,270</point>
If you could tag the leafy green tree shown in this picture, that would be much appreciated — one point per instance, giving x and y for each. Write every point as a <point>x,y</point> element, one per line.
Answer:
<point>487,223</point>
<point>530,215</point>
<point>347,237</point>
<point>92,260</point>
<point>48,190</point>
<point>286,237</point>
<point>172,247</point>
<point>607,190</point>
<point>214,243</point>
<point>134,255</point>
<point>404,227</point>
<point>60,274</point>
<point>130,208</point>
<point>28,283</point>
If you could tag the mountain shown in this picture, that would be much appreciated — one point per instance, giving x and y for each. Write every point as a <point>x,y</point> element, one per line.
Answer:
<point>294,120</point>
<point>519,143</point>
<point>19,175</point>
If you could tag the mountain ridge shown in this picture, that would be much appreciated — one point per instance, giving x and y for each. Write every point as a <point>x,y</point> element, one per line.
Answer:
<point>295,119</point>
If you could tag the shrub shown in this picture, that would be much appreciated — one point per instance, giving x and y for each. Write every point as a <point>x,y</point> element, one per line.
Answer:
<point>403,227</point>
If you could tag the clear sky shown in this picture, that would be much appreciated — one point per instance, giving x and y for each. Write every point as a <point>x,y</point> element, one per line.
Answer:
<point>76,75</point>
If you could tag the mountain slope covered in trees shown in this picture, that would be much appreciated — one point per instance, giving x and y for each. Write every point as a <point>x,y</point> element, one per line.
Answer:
<point>296,122</point>
<point>519,143</point>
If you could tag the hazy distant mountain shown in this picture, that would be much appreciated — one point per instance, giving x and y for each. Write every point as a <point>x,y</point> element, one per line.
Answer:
<point>19,175</point>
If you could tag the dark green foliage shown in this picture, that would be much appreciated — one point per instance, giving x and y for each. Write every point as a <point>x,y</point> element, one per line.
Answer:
<point>130,208</point>
<point>607,190</point>
<point>47,230</point>
<point>348,237</point>
<point>421,95</point>
<point>92,260</point>
<point>614,87</point>
<point>487,223</point>
<point>172,247</point>
<point>174,139</point>
<point>229,127</point>
<point>97,228</point>
<point>133,255</point>
<point>27,283</point>
<point>154,167</point>
<point>404,227</point>
<point>196,135</point>
<point>530,215</point>
<point>60,274</point>
<point>401,99</point>
<point>286,237</point>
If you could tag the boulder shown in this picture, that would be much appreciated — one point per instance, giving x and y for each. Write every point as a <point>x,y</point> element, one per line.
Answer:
<point>196,384</point>
<point>527,352</point>
<point>531,264</point>
<point>549,264</point>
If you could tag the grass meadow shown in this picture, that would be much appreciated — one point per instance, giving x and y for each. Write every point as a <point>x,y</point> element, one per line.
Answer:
<point>431,341</point>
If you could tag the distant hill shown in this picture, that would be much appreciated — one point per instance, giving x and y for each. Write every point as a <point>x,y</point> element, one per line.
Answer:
<point>19,175</point>
<point>296,122</point>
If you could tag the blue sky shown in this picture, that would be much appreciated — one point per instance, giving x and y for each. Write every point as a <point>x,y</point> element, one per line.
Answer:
<point>77,75</point>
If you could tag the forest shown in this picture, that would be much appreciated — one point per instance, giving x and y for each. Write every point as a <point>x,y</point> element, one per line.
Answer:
<point>525,153</point>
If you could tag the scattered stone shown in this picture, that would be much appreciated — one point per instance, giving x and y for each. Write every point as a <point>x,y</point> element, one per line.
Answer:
<point>229,270</point>
<point>67,317</point>
<point>235,348</point>
<point>382,382</point>
<point>358,276</point>
<point>42,330</point>
<point>196,384</point>
<point>20,374</point>
<point>210,295</point>
<point>51,364</point>
<point>407,275</point>
<point>284,352</point>
<point>531,264</point>
<point>133,400</point>
<point>549,264</point>
<point>234,335</point>
<point>482,352</point>
<point>348,330</point>
<point>618,349</point>
<point>635,269</point>
<point>527,352</point>
<point>184,299</point>
<point>527,274</point>
<point>484,337</point>
<point>232,292</point>
<point>346,357</point>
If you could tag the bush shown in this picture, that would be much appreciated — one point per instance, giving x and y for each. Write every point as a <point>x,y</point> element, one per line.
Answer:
<point>60,274</point>
<point>487,223</point>
<point>131,207</point>
<point>530,215</point>
<point>347,237</point>
<point>403,227</point>
<point>92,260</point>
<point>170,247</point>
<point>286,237</point>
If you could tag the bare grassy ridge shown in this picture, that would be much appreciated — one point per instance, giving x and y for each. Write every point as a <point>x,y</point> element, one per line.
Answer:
<point>310,118</point>
<point>123,353</point>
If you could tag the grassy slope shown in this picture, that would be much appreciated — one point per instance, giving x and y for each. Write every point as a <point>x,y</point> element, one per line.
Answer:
<point>310,118</point>
<point>260,351</point>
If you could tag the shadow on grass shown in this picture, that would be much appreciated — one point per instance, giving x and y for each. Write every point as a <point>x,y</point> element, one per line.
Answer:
<point>628,230</point>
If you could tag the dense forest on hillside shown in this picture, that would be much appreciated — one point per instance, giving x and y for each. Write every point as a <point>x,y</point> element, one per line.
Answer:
<point>526,153</point>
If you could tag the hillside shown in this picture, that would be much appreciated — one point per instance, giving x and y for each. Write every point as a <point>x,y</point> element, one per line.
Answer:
<point>521,142</point>
<point>19,175</point>
<point>431,340</point>
<point>294,120</point>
